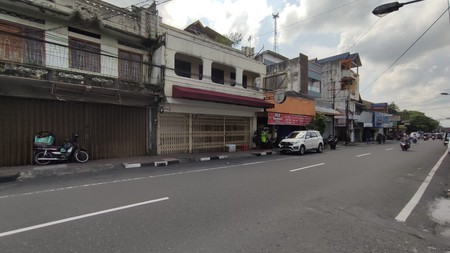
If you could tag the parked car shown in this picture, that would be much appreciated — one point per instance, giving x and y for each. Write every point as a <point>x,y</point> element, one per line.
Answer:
<point>302,141</point>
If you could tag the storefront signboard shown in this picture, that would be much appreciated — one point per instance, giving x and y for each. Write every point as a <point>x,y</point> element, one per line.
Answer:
<point>288,119</point>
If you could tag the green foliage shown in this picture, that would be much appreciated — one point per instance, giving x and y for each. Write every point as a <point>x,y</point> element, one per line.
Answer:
<point>223,40</point>
<point>393,108</point>
<point>232,39</point>
<point>318,122</point>
<point>419,121</point>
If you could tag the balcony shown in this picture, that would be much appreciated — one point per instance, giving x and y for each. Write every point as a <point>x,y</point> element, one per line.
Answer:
<point>347,73</point>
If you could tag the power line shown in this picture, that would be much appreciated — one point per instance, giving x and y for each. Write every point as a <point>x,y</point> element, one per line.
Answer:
<point>407,49</point>
<point>364,34</point>
<point>306,19</point>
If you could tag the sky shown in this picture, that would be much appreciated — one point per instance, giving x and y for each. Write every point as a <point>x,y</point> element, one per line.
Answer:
<point>405,55</point>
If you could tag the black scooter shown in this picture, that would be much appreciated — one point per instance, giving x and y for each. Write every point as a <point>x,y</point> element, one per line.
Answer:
<point>405,145</point>
<point>333,142</point>
<point>44,152</point>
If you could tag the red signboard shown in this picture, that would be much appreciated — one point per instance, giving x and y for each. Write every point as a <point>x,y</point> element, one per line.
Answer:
<point>287,119</point>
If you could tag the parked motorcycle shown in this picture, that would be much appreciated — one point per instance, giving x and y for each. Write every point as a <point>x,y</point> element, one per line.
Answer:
<point>333,142</point>
<point>405,145</point>
<point>269,144</point>
<point>44,152</point>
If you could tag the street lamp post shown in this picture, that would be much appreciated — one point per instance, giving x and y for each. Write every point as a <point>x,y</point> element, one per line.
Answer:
<point>390,7</point>
<point>444,94</point>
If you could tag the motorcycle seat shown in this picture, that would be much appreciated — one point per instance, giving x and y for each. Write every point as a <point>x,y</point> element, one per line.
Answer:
<point>53,148</point>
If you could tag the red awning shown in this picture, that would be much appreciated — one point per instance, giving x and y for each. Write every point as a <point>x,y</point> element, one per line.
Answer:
<point>213,96</point>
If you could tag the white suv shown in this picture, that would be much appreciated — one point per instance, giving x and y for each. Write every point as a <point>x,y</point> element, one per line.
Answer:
<point>301,141</point>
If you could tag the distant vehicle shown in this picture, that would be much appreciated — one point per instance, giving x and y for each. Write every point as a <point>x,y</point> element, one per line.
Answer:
<point>302,141</point>
<point>415,135</point>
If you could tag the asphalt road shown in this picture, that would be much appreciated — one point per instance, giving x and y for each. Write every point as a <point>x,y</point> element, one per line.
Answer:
<point>348,200</point>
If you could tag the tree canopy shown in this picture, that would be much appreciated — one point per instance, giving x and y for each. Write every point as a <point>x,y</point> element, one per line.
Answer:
<point>418,121</point>
<point>318,123</point>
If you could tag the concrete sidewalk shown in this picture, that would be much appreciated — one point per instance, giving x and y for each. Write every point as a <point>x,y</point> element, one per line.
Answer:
<point>57,169</point>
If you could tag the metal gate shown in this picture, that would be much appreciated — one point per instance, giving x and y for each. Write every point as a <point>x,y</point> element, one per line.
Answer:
<point>173,137</point>
<point>191,133</point>
<point>105,130</point>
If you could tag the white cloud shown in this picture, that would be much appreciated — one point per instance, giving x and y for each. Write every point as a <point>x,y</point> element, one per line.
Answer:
<point>322,28</point>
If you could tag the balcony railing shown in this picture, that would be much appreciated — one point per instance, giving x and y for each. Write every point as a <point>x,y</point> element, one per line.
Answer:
<point>31,56</point>
<point>349,73</point>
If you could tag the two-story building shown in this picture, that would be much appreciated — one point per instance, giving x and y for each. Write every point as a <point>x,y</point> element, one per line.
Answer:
<point>212,91</point>
<point>297,82</point>
<point>77,65</point>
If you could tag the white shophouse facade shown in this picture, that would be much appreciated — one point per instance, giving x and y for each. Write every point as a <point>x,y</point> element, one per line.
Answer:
<point>212,94</point>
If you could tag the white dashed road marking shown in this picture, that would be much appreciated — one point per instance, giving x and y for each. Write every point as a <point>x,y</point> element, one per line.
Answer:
<point>307,167</point>
<point>21,230</point>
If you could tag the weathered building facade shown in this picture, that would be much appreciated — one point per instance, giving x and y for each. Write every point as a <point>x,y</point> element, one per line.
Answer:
<point>77,66</point>
<point>212,92</point>
<point>340,85</point>
<point>293,79</point>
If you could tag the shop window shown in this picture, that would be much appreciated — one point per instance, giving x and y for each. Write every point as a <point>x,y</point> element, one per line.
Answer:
<point>218,76</point>
<point>21,44</point>
<point>251,80</point>
<point>84,55</point>
<point>182,68</point>
<point>188,66</point>
<point>223,74</point>
<point>314,85</point>
<point>130,66</point>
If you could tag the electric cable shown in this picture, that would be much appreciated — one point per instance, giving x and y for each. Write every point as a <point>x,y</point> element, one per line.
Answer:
<point>304,20</point>
<point>390,66</point>
<point>362,36</point>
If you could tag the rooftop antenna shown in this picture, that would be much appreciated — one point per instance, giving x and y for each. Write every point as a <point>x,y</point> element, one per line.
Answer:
<point>275,39</point>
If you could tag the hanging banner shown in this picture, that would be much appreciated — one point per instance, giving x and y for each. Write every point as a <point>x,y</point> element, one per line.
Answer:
<point>275,118</point>
<point>382,120</point>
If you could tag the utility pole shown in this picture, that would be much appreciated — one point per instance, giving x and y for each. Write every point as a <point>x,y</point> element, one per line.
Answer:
<point>333,87</point>
<point>346,118</point>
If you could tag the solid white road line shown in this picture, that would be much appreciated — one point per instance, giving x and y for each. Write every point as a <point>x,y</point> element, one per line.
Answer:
<point>363,155</point>
<point>307,167</point>
<point>78,217</point>
<point>404,214</point>
<point>389,149</point>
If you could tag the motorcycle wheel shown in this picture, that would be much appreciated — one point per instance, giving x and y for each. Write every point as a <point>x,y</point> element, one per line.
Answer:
<point>41,155</point>
<point>81,156</point>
